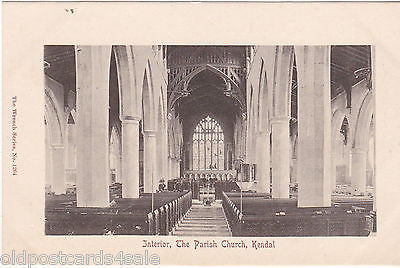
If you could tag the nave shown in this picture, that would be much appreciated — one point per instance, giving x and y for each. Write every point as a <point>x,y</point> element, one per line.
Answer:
<point>203,221</point>
<point>139,136</point>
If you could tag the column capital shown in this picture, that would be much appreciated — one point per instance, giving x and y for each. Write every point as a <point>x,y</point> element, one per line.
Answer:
<point>128,119</point>
<point>279,119</point>
<point>150,133</point>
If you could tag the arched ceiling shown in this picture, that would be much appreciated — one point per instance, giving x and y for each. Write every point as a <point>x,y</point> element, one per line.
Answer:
<point>207,98</point>
<point>59,64</point>
<point>207,95</point>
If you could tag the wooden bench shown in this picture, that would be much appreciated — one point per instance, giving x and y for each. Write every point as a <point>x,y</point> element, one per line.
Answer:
<point>281,217</point>
<point>123,216</point>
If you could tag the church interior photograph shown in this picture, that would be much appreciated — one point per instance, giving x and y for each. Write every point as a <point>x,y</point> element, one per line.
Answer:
<point>209,140</point>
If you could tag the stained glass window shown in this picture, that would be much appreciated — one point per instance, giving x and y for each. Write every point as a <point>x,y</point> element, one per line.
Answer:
<point>208,145</point>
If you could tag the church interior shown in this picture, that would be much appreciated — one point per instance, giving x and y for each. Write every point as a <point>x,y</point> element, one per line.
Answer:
<point>210,140</point>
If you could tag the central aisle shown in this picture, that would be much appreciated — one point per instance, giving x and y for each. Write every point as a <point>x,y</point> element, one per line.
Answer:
<point>204,221</point>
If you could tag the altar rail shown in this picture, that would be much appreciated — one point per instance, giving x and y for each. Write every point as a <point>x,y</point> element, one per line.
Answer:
<point>163,219</point>
<point>217,174</point>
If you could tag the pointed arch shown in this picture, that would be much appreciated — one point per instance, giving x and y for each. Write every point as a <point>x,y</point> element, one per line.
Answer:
<point>70,114</point>
<point>337,119</point>
<point>177,149</point>
<point>48,158</point>
<point>148,107</point>
<point>127,80</point>
<point>70,142</point>
<point>250,126</point>
<point>264,104</point>
<point>208,145</point>
<point>210,68</point>
<point>160,137</point>
<point>171,138</point>
<point>54,118</point>
<point>361,138</point>
<point>250,109</point>
<point>228,81</point>
<point>161,111</point>
<point>115,156</point>
<point>283,71</point>
<point>260,95</point>
<point>198,117</point>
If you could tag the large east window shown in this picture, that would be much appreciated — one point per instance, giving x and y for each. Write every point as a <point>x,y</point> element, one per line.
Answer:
<point>208,145</point>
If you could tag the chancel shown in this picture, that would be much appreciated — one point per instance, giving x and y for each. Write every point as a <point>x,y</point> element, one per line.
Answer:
<point>214,140</point>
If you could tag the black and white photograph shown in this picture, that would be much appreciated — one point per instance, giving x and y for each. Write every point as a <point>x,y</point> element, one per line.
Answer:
<point>200,133</point>
<point>209,140</point>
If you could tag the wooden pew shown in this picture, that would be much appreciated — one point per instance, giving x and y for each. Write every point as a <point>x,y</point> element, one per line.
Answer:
<point>124,216</point>
<point>281,217</point>
<point>162,220</point>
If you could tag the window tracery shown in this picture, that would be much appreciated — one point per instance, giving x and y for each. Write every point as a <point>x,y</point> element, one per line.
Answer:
<point>208,145</point>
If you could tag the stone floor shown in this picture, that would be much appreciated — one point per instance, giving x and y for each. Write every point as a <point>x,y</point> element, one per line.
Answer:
<point>204,221</point>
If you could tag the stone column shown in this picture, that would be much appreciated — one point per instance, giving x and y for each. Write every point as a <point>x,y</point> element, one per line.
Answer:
<point>93,70</point>
<point>169,168</point>
<point>190,166</point>
<point>347,159</point>
<point>185,156</point>
<point>70,145</point>
<point>294,171</point>
<point>48,166</point>
<point>150,167</point>
<point>174,168</point>
<point>166,156</point>
<point>280,157</point>
<point>359,171</point>
<point>314,126</point>
<point>58,165</point>
<point>226,156</point>
<point>175,165</point>
<point>179,163</point>
<point>247,141</point>
<point>130,157</point>
<point>333,170</point>
<point>119,168</point>
<point>159,155</point>
<point>263,162</point>
<point>279,120</point>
